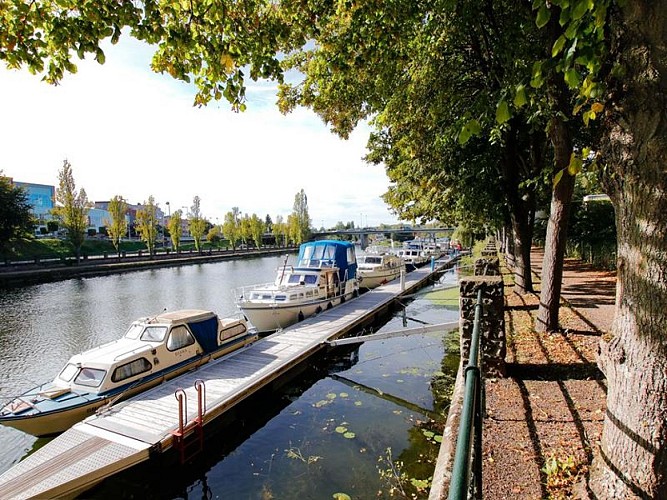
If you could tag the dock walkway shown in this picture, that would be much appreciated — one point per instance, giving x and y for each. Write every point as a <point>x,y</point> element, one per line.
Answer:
<point>129,432</point>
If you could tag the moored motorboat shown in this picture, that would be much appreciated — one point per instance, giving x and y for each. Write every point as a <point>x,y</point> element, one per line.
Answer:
<point>152,351</point>
<point>375,269</point>
<point>412,257</point>
<point>325,275</point>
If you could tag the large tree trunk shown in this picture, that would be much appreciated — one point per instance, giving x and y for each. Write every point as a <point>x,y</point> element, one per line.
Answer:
<point>521,208</point>
<point>556,239</point>
<point>633,456</point>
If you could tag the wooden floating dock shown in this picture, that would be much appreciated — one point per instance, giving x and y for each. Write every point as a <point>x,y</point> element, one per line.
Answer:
<point>129,432</point>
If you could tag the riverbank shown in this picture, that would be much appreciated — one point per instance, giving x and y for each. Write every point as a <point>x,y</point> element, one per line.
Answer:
<point>56,270</point>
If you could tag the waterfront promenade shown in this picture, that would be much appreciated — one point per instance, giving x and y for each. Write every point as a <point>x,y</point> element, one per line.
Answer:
<point>544,420</point>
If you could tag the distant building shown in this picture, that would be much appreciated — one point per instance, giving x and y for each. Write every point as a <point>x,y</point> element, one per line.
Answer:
<point>41,198</point>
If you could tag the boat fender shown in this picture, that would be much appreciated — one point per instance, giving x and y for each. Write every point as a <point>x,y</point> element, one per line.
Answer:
<point>329,306</point>
<point>300,316</point>
<point>318,310</point>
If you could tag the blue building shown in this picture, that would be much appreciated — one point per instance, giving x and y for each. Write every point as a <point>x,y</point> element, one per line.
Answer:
<point>41,198</point>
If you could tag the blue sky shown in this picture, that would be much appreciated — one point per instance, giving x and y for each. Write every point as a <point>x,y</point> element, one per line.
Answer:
<point>131,132</point>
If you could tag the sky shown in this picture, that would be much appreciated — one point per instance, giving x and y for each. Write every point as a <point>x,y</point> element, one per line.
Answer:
<point>130,132</point>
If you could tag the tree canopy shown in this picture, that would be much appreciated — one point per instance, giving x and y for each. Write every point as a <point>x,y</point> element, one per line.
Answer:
<point>16,217</point>
<point>72,208</point>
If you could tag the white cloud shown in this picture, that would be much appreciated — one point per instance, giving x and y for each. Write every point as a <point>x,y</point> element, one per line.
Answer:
<point>131,132</point>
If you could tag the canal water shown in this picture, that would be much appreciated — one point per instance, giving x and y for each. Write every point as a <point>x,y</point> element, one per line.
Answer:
<point>358,423</point>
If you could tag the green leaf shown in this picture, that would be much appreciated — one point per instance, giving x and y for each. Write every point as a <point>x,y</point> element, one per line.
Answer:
<point>520,98</point>
<point>575,164</point>
<point>558,46</point>
<point>469,129</point>
<point>564,16</point>
<point>502,112</point>
<point>557,177</point>
<point>580,8</point>
<point>543,16</point>
<point>572,78</point>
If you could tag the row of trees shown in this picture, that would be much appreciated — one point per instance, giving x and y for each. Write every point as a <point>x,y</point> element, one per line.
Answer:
<point>72,213</point>
<point>296,229</point>
<point>479,110</point>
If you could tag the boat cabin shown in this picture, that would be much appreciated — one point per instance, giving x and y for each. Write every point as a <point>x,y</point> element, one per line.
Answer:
<point>149,345</point>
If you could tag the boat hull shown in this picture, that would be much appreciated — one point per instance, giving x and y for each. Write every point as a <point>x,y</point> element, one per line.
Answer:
<point>373,279</point>
<point>268,318</point>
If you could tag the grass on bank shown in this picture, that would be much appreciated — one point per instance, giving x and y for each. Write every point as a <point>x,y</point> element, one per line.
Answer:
<point>45,248</point>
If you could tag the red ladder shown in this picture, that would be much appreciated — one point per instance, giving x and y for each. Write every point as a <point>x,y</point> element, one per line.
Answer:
<point>188,448</point>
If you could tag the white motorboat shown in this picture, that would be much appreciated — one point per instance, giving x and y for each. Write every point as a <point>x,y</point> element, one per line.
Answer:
<point>325,275</point>
<point>412,257</point>
<point>375,269</point>
<point>152,351</point>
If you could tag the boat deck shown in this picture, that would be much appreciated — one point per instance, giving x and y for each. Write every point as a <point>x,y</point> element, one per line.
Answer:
<point>130,431</point>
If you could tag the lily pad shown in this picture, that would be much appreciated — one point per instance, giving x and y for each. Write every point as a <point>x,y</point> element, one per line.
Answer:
<point>349,435</point>
<point>341,496</point>
<point>341,430</point>
<point>344,395</point>
<point>331,396</point>
<point>357,403</point>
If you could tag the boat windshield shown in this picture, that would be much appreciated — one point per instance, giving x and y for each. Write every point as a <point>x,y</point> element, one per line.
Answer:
<point>91,377</point>
<point>134,331</point>
<point>154,333</point>
<point>307,279</point>
<point>372,260</point>
<point>68,372</point>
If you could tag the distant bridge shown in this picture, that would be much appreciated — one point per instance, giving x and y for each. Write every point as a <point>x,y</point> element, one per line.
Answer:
<point>363,232</point>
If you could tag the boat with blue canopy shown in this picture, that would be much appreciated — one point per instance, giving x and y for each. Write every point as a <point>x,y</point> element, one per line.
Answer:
<point>324,276</point>
<point>153,350</point>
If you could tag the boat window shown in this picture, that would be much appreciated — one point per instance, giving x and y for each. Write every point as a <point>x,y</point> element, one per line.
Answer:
<point>350,256</point>
<point>292,297</point>
<point>309,293</point>
<point>373,260</point>
<point>330,252</point>
<point>310,279</point>
<point>68,372</point>
<point>280,298</point>
<point>232,331</point>
<point>179,337</point>
<point>128,370</point>
<point>307,252</point>
<point>91,377</point>
<point>318,253</point>
<point>134,331</point>
<point>154,333</point>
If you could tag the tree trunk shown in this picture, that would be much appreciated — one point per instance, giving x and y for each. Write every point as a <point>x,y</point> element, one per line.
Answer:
<point>521,206</point>
<point>522,233</point>
<point>556,238</point>
<point>633,456</point>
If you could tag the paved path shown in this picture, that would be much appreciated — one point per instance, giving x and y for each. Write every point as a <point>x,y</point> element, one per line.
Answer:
<point>550,408</point>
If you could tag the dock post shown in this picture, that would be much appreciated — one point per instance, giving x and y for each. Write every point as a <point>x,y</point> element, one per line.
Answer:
<point>432,263</point>
<point>402,280</point>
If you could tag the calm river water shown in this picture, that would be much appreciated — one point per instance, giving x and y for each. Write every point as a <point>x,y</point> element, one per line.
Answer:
<point>341,426</point>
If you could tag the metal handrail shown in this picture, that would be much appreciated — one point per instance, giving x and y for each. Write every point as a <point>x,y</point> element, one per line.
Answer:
<point>470,422</point>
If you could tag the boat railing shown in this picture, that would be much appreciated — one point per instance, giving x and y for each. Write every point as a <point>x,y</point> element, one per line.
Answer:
<point>241,293</point>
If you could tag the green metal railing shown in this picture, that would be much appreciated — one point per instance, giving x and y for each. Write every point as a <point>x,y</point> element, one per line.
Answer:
<point>468,456</point>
